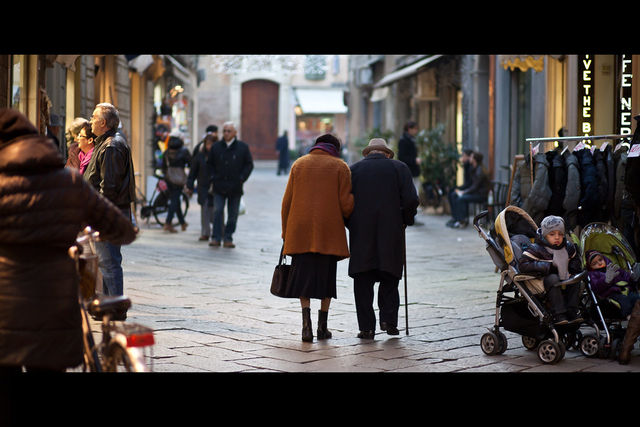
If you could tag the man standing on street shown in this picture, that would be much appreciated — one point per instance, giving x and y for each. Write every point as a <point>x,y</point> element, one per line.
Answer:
<point>110,172</point>
<point>231,164</point>
<point>385,202</point>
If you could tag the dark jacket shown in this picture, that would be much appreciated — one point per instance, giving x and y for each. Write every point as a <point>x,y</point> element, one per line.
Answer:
<point>538,261</point>
<point>590,201</point>
<point>571,199</point>
<point>200,172</point>
<point>385,201</point>
<point>43,206</point>
<point>230,166</point>
<point>407,153</point>
<point>110,170</point>
<point>479,182</point>
<point>175,156</point>
<point>557,183</point>
<point>282,146</point>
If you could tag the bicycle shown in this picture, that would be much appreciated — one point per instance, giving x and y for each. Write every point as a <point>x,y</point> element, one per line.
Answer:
<point>158,205</point>
<point>123,345</point>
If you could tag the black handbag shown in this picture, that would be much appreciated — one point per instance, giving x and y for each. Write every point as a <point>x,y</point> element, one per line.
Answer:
<point>280,279</point>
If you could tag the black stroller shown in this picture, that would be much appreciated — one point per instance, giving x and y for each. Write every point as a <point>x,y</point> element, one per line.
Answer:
<point>520,304</point>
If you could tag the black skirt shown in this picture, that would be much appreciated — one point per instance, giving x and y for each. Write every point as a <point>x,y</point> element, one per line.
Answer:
<point>313,275</point>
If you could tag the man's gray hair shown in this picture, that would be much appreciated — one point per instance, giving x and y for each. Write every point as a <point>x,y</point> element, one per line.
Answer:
<point>230,123</point>
<point>110,115</point>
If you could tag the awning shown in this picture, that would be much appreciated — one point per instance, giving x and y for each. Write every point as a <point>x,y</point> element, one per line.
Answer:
<point>406,71</point>
<point>522,62</point>
<point>140,62</point>
<point>379,94</point>
<point>319,101</point>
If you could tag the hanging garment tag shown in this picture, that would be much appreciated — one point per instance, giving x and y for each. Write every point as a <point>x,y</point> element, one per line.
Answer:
<point>579,146</point>
<point>634,151</point>
<point>604,145</point>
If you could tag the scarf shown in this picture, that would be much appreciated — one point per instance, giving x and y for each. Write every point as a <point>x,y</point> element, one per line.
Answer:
<point>561,261</point>
<point>84,158</point>
<point>325,146</point>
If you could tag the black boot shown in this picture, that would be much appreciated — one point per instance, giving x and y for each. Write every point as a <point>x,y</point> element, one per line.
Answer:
<point>323,332</point>
<point>307,329</point>
<point>630,336</point>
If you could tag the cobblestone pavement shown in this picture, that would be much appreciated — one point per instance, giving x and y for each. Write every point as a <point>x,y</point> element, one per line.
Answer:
<point>212,311</point>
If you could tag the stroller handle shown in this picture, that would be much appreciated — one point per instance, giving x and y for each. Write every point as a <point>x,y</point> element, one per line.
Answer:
<point>476,219</point>
<point>573,279</point>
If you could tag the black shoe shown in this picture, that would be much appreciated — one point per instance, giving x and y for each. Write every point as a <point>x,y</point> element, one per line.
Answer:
<point>366,335</point>
<point>450,222</point>
<point>390,329</point>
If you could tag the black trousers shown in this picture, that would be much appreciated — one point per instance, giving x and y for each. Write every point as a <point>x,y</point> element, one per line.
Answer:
<point>561,300</point>
<point>388,298</point>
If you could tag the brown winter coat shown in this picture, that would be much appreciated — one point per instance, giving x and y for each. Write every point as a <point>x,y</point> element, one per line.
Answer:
<point>315,204</point>
<point>43,206</point>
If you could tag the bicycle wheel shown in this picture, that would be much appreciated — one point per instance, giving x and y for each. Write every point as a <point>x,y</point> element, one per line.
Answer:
<point>91,358</point>
<point>122,359</point>
<point>161,207</point>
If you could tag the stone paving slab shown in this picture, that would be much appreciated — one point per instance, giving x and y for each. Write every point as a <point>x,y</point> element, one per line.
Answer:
<point>212,311</point>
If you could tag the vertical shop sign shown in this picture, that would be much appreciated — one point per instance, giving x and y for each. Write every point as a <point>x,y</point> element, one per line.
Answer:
<point>624,102</point>
<point>585,94</point>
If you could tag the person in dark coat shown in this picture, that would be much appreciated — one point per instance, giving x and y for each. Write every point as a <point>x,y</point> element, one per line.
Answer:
<point>231,164</point>
<point>385,202</point>
<point>282,147</point>
<point>476,193</point>
<point>175,156</point>
<point>43,207</point>
<point>201,174</point>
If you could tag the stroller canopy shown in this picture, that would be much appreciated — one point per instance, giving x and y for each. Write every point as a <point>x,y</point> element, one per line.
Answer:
<point>609,241</point>
<point>510,222</point>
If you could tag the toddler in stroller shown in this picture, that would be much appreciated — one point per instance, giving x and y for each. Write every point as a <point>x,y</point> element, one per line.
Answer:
<point>526,312</point>
<point>555,258</point>
<point>614,285</point>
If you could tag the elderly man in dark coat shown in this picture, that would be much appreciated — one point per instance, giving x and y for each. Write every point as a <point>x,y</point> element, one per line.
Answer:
<point>385,202</point>
<point>43,206</point>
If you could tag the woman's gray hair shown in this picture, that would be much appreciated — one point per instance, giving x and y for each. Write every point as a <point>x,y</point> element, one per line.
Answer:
<point>110,115</point>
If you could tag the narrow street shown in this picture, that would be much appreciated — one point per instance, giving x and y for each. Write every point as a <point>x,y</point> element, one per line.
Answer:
<point>212,311</point>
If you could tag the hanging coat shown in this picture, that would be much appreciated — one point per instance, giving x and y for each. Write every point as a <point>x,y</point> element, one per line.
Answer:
<point>521,185</point>
<point>557,183</point>
<point>590,192</point>
<point>601,214</point>
<point>572,191</point>
<point>620,194</point>
<point>538,199</point>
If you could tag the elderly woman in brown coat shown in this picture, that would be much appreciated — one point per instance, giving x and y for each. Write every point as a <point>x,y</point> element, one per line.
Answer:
<point>43,206</point>
<point>316,203</point>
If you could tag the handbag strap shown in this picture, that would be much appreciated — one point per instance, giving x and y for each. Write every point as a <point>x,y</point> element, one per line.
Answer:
<point>281,254</point>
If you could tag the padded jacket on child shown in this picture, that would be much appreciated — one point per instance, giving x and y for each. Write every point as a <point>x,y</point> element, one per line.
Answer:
<point>599,285</point>
<point>537,260</point>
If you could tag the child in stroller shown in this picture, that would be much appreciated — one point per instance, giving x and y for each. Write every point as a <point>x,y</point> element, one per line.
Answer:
<point>619,287</point>
<point>524,313</point>
<point>555,258</point>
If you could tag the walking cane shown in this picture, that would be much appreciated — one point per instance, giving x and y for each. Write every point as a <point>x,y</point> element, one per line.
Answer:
<point>406,309</point>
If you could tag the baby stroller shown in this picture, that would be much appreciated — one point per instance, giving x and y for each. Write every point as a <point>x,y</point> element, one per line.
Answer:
<point>520,303</point>
<point>604,314</point>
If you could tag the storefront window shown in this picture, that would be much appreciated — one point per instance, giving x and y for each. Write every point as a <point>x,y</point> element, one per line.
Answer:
<point>18,79</point>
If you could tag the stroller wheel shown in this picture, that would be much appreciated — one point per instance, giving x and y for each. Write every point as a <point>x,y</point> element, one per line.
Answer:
<point>590,345</point>
<point>493,343</point>
<point>530,343</point>
<point>550,351</point>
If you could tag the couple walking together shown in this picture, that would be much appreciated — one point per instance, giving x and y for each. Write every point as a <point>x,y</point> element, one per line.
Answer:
<point>375,199</point>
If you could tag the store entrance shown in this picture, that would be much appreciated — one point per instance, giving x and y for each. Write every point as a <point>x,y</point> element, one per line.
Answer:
<point>259,120</point>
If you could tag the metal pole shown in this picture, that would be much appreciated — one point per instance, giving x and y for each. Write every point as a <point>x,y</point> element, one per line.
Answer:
<point>406,309</point>
<point>579,138</point>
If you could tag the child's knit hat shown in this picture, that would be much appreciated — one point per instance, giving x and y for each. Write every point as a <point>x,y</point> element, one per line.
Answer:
<point>589,256</point>
<point>551,223</point>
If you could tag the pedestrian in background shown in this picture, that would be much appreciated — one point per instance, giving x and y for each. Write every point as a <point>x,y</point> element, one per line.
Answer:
<point>110,172</point>
<point>408,151</point>
<point>72,142</point>
<point>174,160</point>
<point>210,130</point>
<point>200,173</point>
<point>86,144</point>
<point>465,161</point>
<point>385,202</point>
<point>231,164</point>
<point>477,192</point>
<point>282,147</point>
<point>43,207</point>
<point>316,202</point>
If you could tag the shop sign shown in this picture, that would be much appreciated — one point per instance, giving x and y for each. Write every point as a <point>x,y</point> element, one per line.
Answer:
<point>624,106</point>
<point>585,94</point>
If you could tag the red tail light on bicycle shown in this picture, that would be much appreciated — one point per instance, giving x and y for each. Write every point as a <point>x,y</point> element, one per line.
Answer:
<point>140,340</point>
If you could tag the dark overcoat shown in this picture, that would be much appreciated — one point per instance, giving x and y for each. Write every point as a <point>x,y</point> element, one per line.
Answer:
<point>43,206</point>
<point>231,165</point>
<point>385,201</point>
<point>200,173</point>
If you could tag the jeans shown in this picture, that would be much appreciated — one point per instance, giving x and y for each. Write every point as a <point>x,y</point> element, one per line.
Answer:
<point>206,219</point>
<point>460,206</point>
<point>388,298</point>
<point>110,264</point>
<point>174,205</point>
<point>233,206</point>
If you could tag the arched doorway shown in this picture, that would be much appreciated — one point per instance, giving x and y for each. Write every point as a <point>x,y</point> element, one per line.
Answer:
<point>259,118</point>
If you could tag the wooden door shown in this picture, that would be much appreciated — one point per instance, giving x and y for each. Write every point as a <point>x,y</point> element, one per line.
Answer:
<point>259,119</point>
